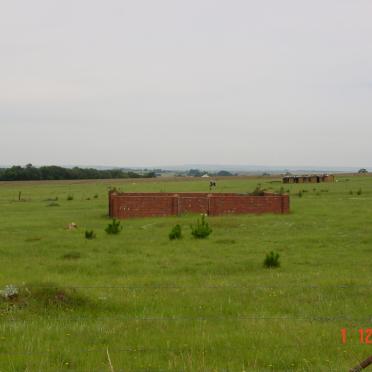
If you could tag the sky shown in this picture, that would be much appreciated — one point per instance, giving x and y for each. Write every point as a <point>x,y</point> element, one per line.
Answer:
<point>171,82</point>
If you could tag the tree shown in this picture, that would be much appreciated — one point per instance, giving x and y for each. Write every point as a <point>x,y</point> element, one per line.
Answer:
<point>362,171</point>
<point>195,173</point>
<point>224,173</point>
<point>53,172</point>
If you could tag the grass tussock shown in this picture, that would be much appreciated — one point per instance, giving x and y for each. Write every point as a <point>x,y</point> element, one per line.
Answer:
<point>53,204</point>
<point>30,240</point>
<point>114,227</point>
<point>225,241</point>
<point>90,234</point>
<point>201,230</point>
<point>71,256</point>
<point>175,233</point>
<point>271,260</point>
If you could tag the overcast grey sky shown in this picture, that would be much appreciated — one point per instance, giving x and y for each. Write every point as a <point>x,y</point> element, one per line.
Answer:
<point>166,82</point>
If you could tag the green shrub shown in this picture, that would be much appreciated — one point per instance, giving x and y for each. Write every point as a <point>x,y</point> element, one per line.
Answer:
<point>53,204</point>
<point>351,192</point>
<point>225,241</point>
<point>175,233</point>
<point>271,260</point>
<point>258,191</point>
<point>114,227</point>
<point>71,256</point>
<point>202,229</point>
<point>95,196</point>
<point>90,234</point>
<point>51,199</point>
<point>359,192</point>
<point>70,197</point>
<point>300,194</point>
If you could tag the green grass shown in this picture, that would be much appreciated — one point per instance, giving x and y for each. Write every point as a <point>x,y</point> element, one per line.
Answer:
<point>195,305</point>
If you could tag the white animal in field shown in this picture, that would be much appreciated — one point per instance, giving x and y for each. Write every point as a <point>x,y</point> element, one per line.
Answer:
<point>72,226</point>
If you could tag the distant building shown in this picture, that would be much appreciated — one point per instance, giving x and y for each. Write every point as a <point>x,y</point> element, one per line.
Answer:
<point>314,178</point>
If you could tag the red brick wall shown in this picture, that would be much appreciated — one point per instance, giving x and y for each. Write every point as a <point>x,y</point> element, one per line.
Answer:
<point>193,204</point>
<point>126,205</point>
<point>246,204</point>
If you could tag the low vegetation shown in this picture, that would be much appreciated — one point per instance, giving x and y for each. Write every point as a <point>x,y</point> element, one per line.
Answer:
<point>90,234</point>
<point>53,204</point>
<point>201,230</point>
<point>258,191</point>
<point>114,227</point>
<point>271,260</point>
<point>71,256</point>
<point>175,233</point>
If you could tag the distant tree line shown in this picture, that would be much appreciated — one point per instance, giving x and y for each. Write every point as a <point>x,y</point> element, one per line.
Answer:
<point>53,172</point>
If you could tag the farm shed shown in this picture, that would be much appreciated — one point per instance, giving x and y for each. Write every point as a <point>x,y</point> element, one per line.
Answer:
<point>309,178</point>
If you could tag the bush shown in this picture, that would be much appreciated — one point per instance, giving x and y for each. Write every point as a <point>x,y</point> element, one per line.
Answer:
<point>95,196</point>
<point>175,233</point>
<point>70,197</point>
<point>53,204</point>
<point>258,191</point>
<point>359,192</point>
<point>202,229</point>
<point>71,256</point>
<point>225,241</point>
<point>89,234</point>
<point>51,199</point>
<point>271,260</point>
<point>300,194</point>
<point>114,227</point>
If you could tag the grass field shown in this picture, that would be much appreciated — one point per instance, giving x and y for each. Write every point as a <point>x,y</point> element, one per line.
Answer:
<point>194,305</point>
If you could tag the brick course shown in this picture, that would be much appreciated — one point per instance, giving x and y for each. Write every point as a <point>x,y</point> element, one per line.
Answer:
<point>127,205</point>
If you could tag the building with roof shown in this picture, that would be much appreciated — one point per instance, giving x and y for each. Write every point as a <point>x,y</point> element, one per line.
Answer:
<point>313,178</point>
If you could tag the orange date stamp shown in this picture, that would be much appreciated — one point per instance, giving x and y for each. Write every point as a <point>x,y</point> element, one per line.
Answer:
<point>364,335</point>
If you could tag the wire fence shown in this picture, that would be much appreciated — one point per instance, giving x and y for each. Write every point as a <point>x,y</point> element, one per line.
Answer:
<point>133,349</point>
<point>324,319</point>
<point>197,287</point>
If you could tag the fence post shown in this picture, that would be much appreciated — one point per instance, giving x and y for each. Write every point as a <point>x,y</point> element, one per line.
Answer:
<point>362,365</point>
